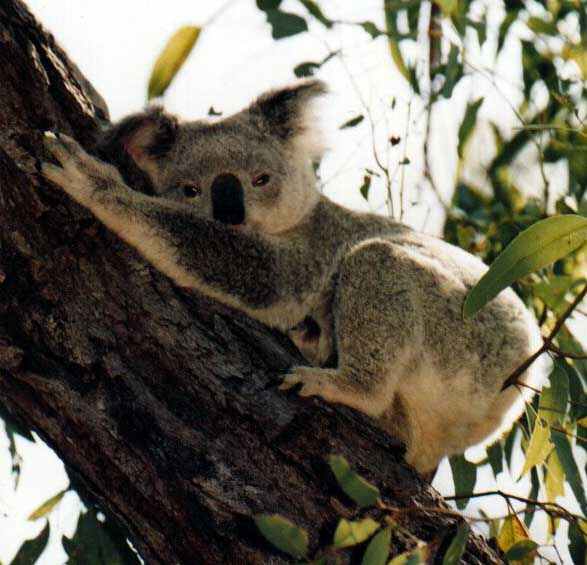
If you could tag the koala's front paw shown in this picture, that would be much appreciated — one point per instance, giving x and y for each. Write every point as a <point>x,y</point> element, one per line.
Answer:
<point>82,176</point>
<point>315,382</point>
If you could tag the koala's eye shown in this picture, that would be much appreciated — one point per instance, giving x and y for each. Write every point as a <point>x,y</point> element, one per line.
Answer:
<point>190,190</point>
<point>261,180</point>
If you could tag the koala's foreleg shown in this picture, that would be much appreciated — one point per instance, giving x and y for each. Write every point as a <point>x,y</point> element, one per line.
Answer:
<point>234,267</point>
<point>375,330</point>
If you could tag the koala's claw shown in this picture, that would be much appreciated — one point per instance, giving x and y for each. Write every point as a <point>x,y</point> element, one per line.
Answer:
<point>78,174</point>
<point>313,382</point>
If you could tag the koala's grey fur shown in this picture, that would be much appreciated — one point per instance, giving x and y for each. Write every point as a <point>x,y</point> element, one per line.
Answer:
<point>385,299</point>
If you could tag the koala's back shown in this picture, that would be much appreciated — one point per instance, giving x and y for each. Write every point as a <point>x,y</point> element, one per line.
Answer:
<point>449,375</point>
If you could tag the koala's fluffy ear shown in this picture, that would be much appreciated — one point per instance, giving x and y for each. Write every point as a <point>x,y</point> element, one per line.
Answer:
<point>139,142</point>
<point>286,112</point>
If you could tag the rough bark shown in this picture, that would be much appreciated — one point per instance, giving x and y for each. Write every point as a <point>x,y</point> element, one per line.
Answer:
<point>162,403</point>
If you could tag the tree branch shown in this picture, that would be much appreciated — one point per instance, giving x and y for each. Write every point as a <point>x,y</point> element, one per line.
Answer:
<point>162,404</point>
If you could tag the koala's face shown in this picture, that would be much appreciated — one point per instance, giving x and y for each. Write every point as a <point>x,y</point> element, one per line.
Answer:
<point>252,169</point>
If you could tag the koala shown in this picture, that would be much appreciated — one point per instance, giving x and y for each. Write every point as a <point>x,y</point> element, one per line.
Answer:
<point>232,210</point>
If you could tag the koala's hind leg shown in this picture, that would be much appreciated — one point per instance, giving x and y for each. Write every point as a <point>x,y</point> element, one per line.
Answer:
<point>376,330</point>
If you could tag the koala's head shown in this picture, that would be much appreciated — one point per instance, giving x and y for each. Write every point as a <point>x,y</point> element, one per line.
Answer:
<point>253,168</point>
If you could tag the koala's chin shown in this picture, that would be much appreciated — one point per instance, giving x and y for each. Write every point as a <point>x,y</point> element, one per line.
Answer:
<point>230,208</point>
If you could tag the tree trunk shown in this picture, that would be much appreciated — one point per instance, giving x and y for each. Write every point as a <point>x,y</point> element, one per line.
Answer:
<point>162,403</point>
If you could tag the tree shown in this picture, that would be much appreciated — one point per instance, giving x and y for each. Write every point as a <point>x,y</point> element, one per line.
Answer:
<point>162,404</point>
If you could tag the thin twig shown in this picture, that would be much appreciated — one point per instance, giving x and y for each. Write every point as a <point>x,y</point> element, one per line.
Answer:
<point>513,378</point>
<point>551,508</point>
<point>568,355</point>
<point>546,127</point>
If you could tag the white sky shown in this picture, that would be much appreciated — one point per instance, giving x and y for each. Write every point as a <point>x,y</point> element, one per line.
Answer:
<point>115,44</point>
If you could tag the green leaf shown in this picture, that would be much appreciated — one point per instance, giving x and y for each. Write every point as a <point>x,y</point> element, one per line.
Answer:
<point>538,25</point>
<point>553,292</point>
<point>448,7</point>
<point>306,69</point>
<point>468,124</point>
<point>268,4</point>
<point>521,550</point>
<point>464,476</point>
<point>171,59</point>
<point>391,15</point>
<point>495,456</point>
<point>554,484</point>
<point>354,486</point>
<point>413,80</point>
<point>577,543</point>
<point>553,400</point>
<point>315,10</point>
<point>508,446</point>
<point>353,122</point>
<point>283,534</point>
<point>348,533</point>
<point>31,549</point>
<point>457,546</point>
<point>364,190</point>
<point>47,506</point>
<point>533,495</point>
<point>415,557</point>
<point>512,531</point>
<point>371,29</point>
<point>454,71</point>
<point>536,247</point>
<point>377,551</point>
<point>539,448</point>
<point>480,28</point>
<point>97,542</point>
<point>569,464</point>
<point>283,24</point>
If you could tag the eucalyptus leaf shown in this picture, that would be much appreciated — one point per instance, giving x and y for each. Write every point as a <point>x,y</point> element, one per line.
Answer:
<point>464,476</point>
<point>283,24</point>
<point>316,11</point>
<point>364,189</point>
<point>415,557</point>
<point>512,531</point>
<point>577,543</point>
<point>468,124</point>
<point>353,122</point>
<point>540,446</point>
<point>569,464</point>
<point>377,551</point>
<point>283,534</point>
<point>391,15</point>
<point>354,486</point>
<point>97,542</point>
<point>454,72</point>
<point>47,506</point>
<point>171,59</point>
<point>349,533</point>
<point>522,549</point>
<point>306,69</point>
<point>31,550</point>
<point>495,457</point>
<point>457,546</point>
<point>536,247</point>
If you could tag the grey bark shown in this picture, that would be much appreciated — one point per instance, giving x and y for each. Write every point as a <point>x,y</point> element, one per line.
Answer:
<point>162,403</point>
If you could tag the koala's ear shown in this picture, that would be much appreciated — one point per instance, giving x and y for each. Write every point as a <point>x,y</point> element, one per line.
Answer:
<point>286,112</point>
<point>140,140</point>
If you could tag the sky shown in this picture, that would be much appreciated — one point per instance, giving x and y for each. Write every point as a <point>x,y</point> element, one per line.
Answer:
<point>115,44</point>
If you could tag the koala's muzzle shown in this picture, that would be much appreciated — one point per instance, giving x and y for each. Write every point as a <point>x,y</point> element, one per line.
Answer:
<point>228,201</point>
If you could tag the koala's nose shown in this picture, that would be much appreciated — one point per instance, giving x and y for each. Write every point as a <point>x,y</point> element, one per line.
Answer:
<point>228,201</point>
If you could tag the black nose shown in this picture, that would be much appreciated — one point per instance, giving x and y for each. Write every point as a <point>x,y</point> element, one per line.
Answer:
<point>228,202</point>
